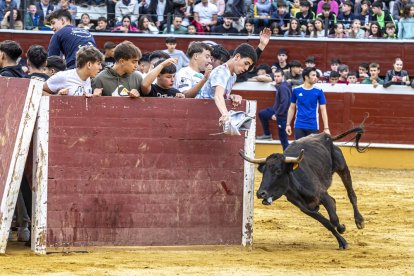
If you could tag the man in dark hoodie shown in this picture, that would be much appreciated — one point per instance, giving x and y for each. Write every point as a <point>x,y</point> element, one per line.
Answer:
<point>10,51</point>
<point>122,78</point>
<point>277,112</point>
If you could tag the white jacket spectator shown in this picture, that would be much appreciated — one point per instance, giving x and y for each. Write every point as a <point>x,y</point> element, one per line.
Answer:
<point>127,7</point>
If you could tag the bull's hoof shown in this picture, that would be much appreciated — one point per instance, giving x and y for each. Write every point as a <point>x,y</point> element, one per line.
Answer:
<point>359,221</point>
<point>343,245</point>
<point>265,202</point>
<point>341,228</point>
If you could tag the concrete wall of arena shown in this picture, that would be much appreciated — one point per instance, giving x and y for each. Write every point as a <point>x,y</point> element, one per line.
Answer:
<point>125,172</point>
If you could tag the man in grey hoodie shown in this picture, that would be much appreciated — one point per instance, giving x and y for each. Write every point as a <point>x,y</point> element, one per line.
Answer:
<point>122,79</point>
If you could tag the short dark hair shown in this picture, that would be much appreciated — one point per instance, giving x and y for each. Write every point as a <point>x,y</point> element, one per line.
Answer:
<point>306,72</point>
<point>109,45</point>
<point>281,3</point>
<point>58,14</point>
<point>158,54</point>
<point>377,4</point>
<point>279,71</point>
<point>334,74</point>
<point>364,65</point>
<point>352,73</point>
<point>126,50</point>
<point>170,40</point>
<point>145,58</point>
<point>88,54</point>
<point>246,51</point>
<point>305,4</point>
<point>295,63</point>
<point>197,47</point>
<point>326,7</point>
<point>343,67</point>
<point>265,67</point>
<point>102,18</point>
<point>170,69</point>
<point>11,48</point>
<point>335,61</point>
<point>220,53</point>
<point>37,56</point>
<point>228,15</point>
<point>56,62</point>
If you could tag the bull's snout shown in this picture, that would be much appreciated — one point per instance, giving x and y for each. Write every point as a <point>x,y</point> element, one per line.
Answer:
<point>262,194</point>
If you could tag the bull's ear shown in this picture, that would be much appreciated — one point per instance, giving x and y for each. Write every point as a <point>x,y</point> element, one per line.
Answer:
<point>261,168</point>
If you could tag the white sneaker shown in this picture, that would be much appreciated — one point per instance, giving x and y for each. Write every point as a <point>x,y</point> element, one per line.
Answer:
<point>23,234</point>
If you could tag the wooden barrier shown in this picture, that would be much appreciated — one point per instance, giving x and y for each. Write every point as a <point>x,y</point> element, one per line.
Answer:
<point>350,51</point>
<point>19,103</point>
<point>390,111</point>
<point>122,172</point>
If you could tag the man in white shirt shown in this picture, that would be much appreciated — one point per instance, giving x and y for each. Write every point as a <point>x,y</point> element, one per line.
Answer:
<point>77,82</point>
<point>206,14</point>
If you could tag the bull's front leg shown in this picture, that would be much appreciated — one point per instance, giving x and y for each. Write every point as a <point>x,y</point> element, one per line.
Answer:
<point>324,221</point>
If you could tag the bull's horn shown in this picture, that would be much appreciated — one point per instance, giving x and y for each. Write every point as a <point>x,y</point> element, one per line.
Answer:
<point>252,160</point>
<point>295,159</point>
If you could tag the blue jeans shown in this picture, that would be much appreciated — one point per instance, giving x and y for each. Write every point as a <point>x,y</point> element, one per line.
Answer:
<point>265,116</point>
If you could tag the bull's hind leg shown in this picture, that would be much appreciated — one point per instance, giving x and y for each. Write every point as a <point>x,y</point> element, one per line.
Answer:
<point>330,205</point>
<point>345,175</point>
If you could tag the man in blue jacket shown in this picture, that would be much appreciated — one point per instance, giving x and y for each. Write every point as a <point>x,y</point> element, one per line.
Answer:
<point>67,39</point>
<point>277,112</point>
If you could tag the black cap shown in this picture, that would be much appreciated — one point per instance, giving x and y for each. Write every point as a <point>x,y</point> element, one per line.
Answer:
<point>282,51</point>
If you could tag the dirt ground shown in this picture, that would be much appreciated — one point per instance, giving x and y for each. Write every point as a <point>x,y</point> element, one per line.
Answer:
<point>285,241</point>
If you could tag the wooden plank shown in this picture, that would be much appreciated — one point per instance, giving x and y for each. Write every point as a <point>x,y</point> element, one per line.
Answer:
<point>31,92</point>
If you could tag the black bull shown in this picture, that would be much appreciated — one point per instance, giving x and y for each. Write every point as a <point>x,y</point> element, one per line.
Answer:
<point>305,178</point>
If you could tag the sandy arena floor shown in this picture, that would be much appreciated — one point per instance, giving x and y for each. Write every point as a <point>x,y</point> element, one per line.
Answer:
<point>285,241</point>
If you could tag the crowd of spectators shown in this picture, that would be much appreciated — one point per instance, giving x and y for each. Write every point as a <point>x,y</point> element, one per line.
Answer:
<point>288,18</point>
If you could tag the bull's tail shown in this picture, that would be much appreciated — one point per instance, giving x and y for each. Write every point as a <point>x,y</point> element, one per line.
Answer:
<point>358,130</point>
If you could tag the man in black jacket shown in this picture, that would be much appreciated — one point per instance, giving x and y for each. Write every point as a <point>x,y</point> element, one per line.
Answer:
<point>277,112</point>
<point>10,51</point>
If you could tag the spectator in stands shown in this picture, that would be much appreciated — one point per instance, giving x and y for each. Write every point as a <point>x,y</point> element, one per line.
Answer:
<point>281,64</point>
<point>6,5</point>
<point>77,82</point>
<point>227,26</point>
<point>144,64</point>
<point>109,52</point>
<point>223,77</point>
<point>294,8</point>
<point>319,29</point>
<point>343,71</point>
<point>363,71</point>
<point>263,72</point>
<point>126,27</point>
<point>36,62</point>
<point>294,75</point>
<point>281,16</point>
<point>176,26</point>
<point>54,64</point>
<point>356,31</point>
<point>67,39</point>
<point>72,9</point>
<point>205,14</point>
<point>310,28</point>
<point>305,15</point>
<point>158,10</point>
<point>365,15</point>
<point>346,15</point>
<point>249,28</point>
<point>145,25</point>
<point>328,17</point>
<point>333,77</point>
<point>381,16</point>
<point>278,112</point>
<point>122,79</point>
<point>44,8</point>
<point>126,8</point>
<point>191,30</point>
<point>294,29</point>
<point>333,6</point>
<point>398,8</point>
<point>390,31</point>
<point>374,31</point>
<point>155,56</point>
<point>31,18</point>
<point>189,80</point>
<point>352,77</point>
<point>262,11</point>
<point>335,62</point>
<point>397,76</point>
<point>85,22</point>
<point>102,25</point>
<point>275,29</point>
<point>374,78</point>
<point>17,20</point>
<point>182,59</point>
<point>219,55</point>
<point>338,31</point>
<point>10,51</point>
<point>406,23</point>
<point>221,6</point>
<point>311,62</point>
<point>164,74</point>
